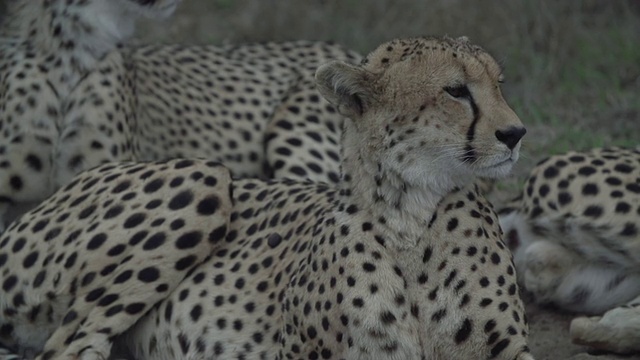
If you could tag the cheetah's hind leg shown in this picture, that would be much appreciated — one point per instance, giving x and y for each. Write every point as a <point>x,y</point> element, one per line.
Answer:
<point>558,276</point>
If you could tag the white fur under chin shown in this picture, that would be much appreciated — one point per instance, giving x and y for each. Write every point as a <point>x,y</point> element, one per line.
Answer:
<point>416,192</point>
<point>434,176</point>
<point>499,166</point>
<point>439,182</point>
<point>496,172</point>
<point>115,21</point>
<point>111,22</point>
<point>443,174</point>
<point>114,24</point>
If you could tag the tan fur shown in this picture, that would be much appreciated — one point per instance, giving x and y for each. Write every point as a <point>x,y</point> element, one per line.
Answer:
<point>575,235</point>
<point>403,259</point>
<point>410,108</point>
<point>75,95</point>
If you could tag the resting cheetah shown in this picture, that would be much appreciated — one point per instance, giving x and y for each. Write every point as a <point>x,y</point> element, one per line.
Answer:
<point>575,235</point>
<point>73,97</point>
<point>402,259</point>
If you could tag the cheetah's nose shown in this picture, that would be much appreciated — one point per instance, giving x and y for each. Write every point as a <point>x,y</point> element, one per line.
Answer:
<point>511,136</point>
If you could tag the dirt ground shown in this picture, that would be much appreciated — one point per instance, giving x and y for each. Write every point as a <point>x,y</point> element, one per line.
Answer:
<point>550,339</point>
<point>229,20</point>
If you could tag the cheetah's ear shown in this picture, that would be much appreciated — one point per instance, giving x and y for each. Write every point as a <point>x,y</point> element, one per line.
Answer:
<point>347,87</point>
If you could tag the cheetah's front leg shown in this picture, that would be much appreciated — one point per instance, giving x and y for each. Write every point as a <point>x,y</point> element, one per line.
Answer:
<point>618,330</point>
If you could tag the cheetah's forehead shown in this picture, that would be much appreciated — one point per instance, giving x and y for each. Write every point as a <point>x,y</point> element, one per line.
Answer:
<point>471,58</point>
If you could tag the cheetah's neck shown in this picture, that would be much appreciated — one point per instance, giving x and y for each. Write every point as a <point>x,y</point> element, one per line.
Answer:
<point>405,210</point>
<point>73,38</point>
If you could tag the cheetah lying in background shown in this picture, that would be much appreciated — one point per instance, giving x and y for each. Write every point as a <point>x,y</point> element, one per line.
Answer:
<point>74,97</point>
<point>575,234</point>
<point>402,259</point>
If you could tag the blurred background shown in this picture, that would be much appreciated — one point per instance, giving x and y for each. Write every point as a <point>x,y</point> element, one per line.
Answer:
<point>572,67</point>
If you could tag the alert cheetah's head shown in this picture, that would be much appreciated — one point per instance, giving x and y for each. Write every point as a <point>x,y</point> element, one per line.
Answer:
<point>428,109</point>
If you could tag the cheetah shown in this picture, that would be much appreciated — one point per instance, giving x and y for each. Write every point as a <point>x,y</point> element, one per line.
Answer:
<point>403,258</point>
<point>574,233</point>
<point>76,93</point>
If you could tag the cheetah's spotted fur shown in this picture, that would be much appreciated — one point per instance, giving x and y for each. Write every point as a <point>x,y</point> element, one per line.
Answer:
<point>402,259</point>
<point>72,96</point>
<point>575,233</point>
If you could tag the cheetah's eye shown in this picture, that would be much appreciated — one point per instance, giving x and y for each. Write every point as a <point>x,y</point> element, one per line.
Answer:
<point>458,92</point>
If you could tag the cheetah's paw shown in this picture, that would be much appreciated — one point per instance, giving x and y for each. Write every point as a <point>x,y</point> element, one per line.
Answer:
<point>546,264</point>
<point>618,330</point>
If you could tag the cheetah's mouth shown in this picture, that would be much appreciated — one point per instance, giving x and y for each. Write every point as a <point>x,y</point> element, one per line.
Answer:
<point>500,168</point>
<point>509,161</point>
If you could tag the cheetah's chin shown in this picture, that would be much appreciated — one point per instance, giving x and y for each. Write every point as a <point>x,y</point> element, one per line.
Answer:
<point>496,171</point>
